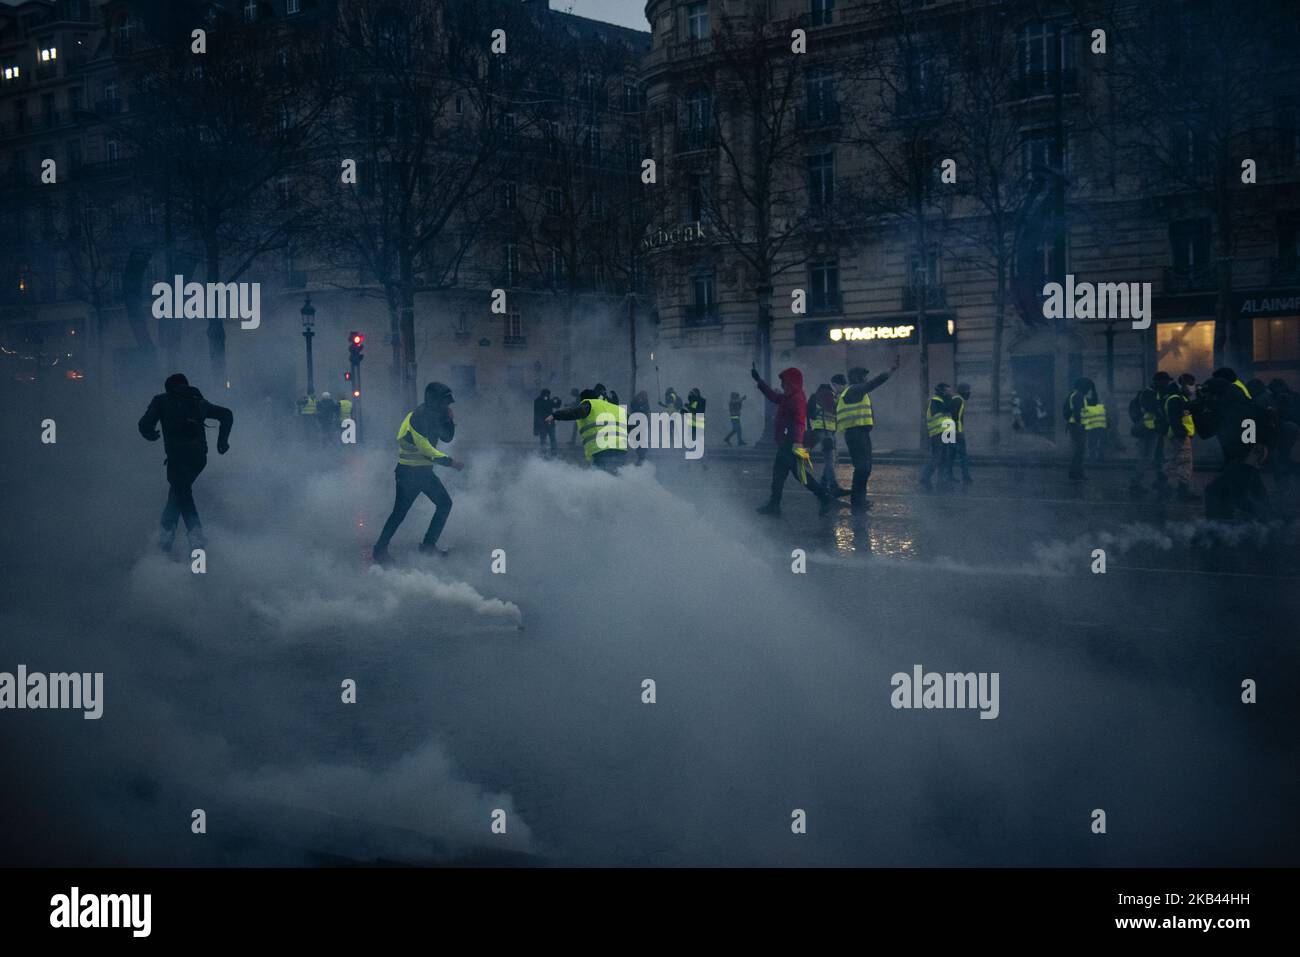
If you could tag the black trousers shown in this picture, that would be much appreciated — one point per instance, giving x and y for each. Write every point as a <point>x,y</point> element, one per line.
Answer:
<point>610,460</point>
<point>858,439</point>
<point>787,463</point>
<point>1078,445</point>
<point>735,430</point>
<point>940,461</point>
<point>182,470</point>
<point>545,432</point>
<point>412,482</point>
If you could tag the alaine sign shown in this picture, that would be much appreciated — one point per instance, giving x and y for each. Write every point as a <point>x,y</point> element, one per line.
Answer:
<point>674,236</point>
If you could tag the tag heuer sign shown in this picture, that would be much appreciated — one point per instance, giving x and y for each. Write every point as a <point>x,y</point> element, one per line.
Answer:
<point>674,235</point>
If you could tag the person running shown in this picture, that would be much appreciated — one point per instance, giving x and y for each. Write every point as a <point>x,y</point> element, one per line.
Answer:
<point>417,453</point>
<point>182,412</point>
<point>787,430</point>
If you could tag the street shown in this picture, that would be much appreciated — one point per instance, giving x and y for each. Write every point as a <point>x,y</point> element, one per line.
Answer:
<point>524,691</point>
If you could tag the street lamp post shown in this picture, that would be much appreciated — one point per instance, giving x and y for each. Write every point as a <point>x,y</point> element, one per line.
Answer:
<point>308,322</point>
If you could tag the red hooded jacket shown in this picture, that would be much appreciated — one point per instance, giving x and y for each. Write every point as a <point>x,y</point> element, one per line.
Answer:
<point>791,406</point>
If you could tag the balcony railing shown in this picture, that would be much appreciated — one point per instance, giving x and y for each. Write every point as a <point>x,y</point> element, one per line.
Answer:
<point>1183,279</point>
<point>1286,271</point>
<point>702,314</point>
<point>1042,83</point>
<point>818,113</point>
<point>934,297</point>
<point>690,139</point>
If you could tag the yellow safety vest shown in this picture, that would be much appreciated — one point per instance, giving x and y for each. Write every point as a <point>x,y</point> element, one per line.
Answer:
<point>308,406</point>
<point>1094,416</point>
<point>1242,386</point>
<point>1188,424</point>
<point>604,429</point>
<point>693,418</point>
<point>961,414</point>
<point>821,420</point>
<point>413,448</point>
<point>853,415</point>
<point>936,421</point>
<point>345,408</point>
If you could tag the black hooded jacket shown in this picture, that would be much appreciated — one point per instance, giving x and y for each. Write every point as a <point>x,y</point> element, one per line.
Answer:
<point>181,411</point>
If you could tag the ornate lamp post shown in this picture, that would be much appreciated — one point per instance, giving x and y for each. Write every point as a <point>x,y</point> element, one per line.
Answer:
<point>308,331</point>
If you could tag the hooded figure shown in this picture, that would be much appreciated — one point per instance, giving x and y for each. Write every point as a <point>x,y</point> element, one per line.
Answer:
<point>543,406</point>
<point>417,453</point>
<point>182,412</point>
<point>787,430</point>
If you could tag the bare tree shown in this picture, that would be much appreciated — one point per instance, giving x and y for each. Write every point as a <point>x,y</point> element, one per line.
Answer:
<point>222,136</point>
<point>903,125</point>
<point>1191,90</point>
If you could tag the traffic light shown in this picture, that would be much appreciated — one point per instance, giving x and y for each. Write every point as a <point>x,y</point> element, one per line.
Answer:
<point>356,342</point>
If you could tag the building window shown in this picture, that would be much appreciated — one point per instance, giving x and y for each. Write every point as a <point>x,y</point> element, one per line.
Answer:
<point>822,102</point>
<point>1186,346</point>
<point>1277,340</point>
<point>112,151</point>
<point>13,72</point>
<point>292,6</point>
<point>631,97</point>
<point>74,100</point>
<point>48,53</point>
<point>556,270</point>
<point>250,10</point>
<point>821,181</point>
<point>1189,146</point>
<point>509,196</point>
<point>1040,155</point>
<point>591,141</point>
<point>703,298</point>
<point>514,331</point>
<point>824,287</point>
<point>1046,51</point>
<point>511,263</point>
<point>1190,245</point>
<point>822,13</point>
<point>697,21</point>
<point>110,96</point>
<point>699,110</point>
<point>554,200</point>
<point>1288,135</point>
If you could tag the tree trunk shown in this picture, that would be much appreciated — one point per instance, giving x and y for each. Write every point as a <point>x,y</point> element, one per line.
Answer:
<point>216,328</point>
<point>392,296</point>
<point>406,328</point>
<point>764,348</point>
<point>999,323</point>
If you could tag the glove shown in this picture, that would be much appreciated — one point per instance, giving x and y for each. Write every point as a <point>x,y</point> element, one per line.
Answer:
<point>223,448</point>
<point>753,372</point>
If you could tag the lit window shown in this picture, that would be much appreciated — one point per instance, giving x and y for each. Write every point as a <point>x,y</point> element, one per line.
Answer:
<point>250,10</point>
<point>49,54</point>
<point>12,72</point>
<point>291,7</point>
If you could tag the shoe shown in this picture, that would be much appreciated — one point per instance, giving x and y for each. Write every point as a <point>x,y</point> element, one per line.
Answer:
<point>771,508</point>
<point>381,556</point>
<point>432,549</point>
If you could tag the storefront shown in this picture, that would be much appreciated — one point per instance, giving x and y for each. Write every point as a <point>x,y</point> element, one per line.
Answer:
<point>827,346</point>
<point>1267,323</point>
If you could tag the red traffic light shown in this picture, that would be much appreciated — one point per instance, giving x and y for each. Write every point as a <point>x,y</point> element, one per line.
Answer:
<point>358,339</point>
<point>347,375</point>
